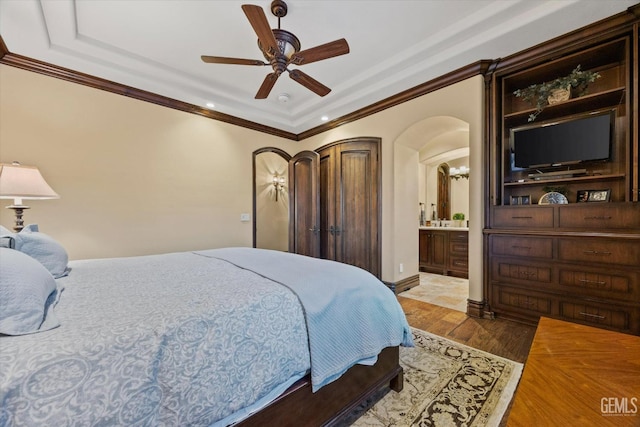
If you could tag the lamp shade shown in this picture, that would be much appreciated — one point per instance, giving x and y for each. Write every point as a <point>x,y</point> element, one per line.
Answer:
<point>23,182</point>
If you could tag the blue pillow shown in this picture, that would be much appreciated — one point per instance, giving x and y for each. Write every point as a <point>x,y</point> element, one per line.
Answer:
<point>44,248</point>
<point>6,238</point>
<point>27,294</point>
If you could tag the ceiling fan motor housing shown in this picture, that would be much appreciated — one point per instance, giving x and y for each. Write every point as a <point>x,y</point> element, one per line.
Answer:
<point>288,44</point>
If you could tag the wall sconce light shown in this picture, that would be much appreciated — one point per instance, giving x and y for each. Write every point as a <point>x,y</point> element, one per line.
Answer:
<point>455,173</point>
<point>278,183</point>
<point>19,182</point>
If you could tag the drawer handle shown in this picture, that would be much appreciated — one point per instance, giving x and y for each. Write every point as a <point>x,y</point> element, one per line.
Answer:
<point>528,248</point>
<point>521,217</point>
<point>595,282</point>
<point>595,316</point>
<point>596,252</point>
<point>597,217</point>
<point>527,273</point>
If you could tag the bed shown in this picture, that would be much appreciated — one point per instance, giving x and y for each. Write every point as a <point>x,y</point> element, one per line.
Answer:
<point>217,337</point>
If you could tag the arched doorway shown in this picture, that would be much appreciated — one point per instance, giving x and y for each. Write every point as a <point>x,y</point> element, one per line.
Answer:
<point>270,199</point>
<point>419,152</point>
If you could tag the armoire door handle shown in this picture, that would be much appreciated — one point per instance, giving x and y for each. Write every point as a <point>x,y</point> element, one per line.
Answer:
<point>335,231</point>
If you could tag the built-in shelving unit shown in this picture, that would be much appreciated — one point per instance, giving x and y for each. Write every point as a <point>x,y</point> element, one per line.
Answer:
<point>577,261</point>
<point>611,60</point>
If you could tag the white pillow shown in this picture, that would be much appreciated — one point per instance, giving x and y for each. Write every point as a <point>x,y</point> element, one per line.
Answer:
<point>43,248</point>
<point>27,294</point>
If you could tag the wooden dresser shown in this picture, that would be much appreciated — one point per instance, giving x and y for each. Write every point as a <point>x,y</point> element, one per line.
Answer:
<point>578,262</point>
<point>577,375</point>
<point>572,260</point>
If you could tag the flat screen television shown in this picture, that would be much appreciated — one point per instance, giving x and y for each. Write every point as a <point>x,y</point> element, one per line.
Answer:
<point>578,139</point>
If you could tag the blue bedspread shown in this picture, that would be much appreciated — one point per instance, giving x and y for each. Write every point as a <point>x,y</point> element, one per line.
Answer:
<point>191,339</point>
<point>164,340</point>
<point>350,314</point>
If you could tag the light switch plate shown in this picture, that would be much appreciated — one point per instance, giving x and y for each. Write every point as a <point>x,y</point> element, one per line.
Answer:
<point>245,217</point>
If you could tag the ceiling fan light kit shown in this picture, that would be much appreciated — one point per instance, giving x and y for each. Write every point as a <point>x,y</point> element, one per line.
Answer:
<point>281,48</point>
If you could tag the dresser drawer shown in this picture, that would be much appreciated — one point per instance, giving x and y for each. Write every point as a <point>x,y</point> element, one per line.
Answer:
<point>459,263</point>
<point>459,236</point>
<point>509,270</point>
<point>606,283</point>
<point>458,248</point>
<point>600,216</point>
<point>523,246</point>
<point>513,300</point>
<point>605,251</point>
<point>601,315</point>
<point>522,217</point>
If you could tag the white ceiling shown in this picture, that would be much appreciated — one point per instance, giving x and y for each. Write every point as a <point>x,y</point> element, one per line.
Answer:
<point>155,45</point>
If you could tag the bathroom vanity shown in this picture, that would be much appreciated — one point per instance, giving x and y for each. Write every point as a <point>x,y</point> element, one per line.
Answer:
<point>444,250</point>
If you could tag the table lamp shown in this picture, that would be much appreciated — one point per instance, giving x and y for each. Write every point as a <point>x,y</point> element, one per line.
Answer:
<point>20,182</point>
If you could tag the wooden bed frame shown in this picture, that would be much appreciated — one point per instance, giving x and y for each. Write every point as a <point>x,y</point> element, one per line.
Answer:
<point>298,406</point>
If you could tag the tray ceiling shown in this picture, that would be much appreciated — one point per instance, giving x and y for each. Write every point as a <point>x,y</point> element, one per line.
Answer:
<point>155,45</point>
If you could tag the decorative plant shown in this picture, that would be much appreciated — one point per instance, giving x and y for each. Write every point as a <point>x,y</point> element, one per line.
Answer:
<point>458,216</point>
<point>538,94</point>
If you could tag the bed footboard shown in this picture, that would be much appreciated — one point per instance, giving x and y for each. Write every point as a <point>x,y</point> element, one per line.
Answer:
<point>298,406</point>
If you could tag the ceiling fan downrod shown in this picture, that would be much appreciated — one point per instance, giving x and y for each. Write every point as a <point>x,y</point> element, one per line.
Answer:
<point>279,9</point>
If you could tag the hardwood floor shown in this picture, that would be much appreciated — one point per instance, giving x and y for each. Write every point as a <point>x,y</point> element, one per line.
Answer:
<point>505,338</point>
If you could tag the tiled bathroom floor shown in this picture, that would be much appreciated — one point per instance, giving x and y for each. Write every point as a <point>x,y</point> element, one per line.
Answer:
<point>445,291</point>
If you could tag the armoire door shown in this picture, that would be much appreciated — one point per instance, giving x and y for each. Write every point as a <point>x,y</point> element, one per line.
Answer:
<point>304,198</point>
<point>350,206</point>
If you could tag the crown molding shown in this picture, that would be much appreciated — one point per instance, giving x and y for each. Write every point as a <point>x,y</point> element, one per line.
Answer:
<point>607,27</point>
<point>41,67</point>
<point>73,76</point>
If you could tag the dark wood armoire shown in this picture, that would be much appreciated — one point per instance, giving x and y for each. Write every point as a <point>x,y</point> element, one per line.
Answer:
<point>335,208</point>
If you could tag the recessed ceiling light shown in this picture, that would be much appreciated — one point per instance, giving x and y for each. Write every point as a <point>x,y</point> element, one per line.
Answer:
<point>210,105</point>
<point>324,118</point>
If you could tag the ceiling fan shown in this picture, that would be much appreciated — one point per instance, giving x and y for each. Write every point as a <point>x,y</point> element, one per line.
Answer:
<point>281,49</point>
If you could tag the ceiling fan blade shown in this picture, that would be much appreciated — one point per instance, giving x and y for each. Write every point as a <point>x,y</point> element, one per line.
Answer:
<point>238,61</point>
<point>258,21</point>
<point>318,53</point>
<point>310,83</point>
<point>266,86</point>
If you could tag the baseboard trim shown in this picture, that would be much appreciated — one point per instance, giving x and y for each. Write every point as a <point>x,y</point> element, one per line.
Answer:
<point>475,308</point>
<point>404,284</point>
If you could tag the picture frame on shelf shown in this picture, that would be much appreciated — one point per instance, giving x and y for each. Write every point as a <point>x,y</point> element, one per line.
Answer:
<point>583,196</point>
<point>599,195</point>
<point>520,200</point>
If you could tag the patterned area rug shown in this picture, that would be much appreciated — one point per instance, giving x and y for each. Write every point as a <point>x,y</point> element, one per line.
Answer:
<point>445,384</point>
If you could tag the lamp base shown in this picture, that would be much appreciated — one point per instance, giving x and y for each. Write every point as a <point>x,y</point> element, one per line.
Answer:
<point>19,209</point>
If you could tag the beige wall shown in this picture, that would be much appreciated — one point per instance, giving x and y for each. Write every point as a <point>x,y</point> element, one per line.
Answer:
<point>136,178</point>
